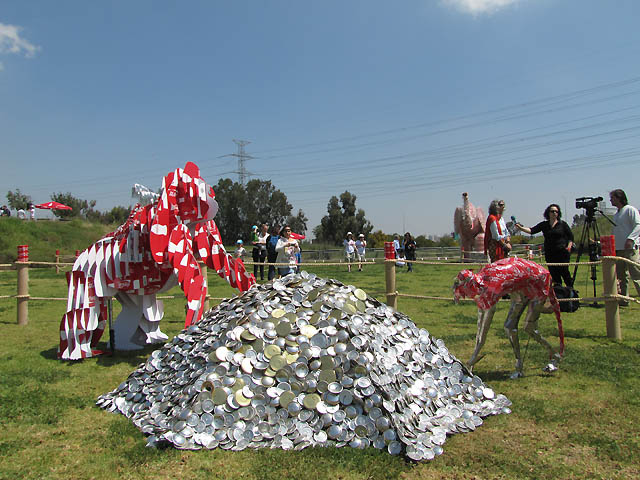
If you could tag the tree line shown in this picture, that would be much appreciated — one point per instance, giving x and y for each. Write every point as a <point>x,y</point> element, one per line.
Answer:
<point>80,208</point>
<point>241,207</point>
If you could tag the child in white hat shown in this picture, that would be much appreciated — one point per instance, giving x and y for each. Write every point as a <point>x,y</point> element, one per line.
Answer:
<point>240,250</point>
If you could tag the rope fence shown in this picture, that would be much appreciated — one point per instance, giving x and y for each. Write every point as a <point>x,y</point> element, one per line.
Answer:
<point>610,295</point>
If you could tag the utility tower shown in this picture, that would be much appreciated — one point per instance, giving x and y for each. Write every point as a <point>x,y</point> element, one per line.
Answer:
<point>242,156</point>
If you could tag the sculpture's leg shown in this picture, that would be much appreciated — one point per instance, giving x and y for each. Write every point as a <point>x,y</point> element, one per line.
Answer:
<point>83,324</point>
<point>153,312</point>
<point>125,328</point>
<point>467,244</point>
<point>484,322</point>
<point>531,327</point>
<point>518,304</point>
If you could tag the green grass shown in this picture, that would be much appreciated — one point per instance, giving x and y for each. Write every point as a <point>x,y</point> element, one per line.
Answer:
<point>581,422</point>
<point>41,235</point>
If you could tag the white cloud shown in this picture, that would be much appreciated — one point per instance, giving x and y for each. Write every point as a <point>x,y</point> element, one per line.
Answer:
<point>478,7</point>
<point>12,42</point>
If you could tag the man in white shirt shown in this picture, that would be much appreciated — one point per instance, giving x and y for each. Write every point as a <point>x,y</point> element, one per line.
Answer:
<point>349,249</point>
<point>627,238</point>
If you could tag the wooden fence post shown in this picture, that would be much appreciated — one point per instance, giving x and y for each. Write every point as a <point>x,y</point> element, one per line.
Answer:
<point>204,270</point>
<point>390,280</point>
<point>22,266</point>
<point>612,312</point>
<point>390,275</point>
<point>57,261</point>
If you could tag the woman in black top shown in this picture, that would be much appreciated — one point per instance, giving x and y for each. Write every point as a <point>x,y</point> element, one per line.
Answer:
<point>409,246</point>
<point>558,241</point>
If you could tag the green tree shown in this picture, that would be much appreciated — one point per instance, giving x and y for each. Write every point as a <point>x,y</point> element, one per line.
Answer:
<point>79,207</point>
<point>447,241</point>
<point>18,200</point>
<point>257,202</point>
<point>377,239</point>
<point>230,218</point>
<point>117,215</point>
<point>423,241</point>
<point>522,239</point>
<point>342,217</point>
<point>298,223</point>
<point>578,220</point>
<point>264,203</point>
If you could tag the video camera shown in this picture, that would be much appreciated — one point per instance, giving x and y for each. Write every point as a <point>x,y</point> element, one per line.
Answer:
<point>590,203</point>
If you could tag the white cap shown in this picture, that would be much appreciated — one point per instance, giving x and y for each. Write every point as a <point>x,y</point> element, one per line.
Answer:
<point>349,233</point>
<point>361,235</point>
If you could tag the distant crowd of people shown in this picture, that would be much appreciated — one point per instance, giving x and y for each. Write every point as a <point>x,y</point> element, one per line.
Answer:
<point>405,251</point>
<point>277,246</point>
<point>355,250</point>
<point>22,214</point>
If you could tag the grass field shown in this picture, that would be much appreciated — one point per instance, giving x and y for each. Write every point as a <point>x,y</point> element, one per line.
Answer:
<point>581,422</point>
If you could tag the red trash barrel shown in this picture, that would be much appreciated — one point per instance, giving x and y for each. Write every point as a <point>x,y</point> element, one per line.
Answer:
<point>389,251</point>
<point>23,253</point>
<point>608,244</point>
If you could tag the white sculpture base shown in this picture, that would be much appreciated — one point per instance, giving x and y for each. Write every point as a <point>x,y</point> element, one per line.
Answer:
<point>132,329</point>
<point>125,330</point>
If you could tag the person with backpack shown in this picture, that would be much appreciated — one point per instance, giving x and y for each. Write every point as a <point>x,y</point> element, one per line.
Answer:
<point>259,253</point>
<point>272,254</point>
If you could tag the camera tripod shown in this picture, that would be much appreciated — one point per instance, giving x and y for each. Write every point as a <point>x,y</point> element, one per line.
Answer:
<point>591,238</point>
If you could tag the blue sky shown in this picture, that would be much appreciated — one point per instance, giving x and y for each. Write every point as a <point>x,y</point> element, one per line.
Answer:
<point>405,104</point>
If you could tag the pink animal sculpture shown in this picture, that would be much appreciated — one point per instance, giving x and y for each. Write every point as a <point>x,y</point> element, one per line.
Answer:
<point>468,222</point>
<point>530,285</point>
<point>151,253</point>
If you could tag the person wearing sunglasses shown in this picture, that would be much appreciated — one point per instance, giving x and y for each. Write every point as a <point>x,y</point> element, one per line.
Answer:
<point>497,240</point>
<point>558,243</point>
<point>287,248</point>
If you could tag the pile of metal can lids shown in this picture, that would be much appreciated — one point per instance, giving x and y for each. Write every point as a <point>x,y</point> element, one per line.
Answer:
<point>304,361</point>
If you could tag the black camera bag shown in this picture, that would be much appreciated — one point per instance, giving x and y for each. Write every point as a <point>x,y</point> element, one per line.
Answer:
<point>567,292</point>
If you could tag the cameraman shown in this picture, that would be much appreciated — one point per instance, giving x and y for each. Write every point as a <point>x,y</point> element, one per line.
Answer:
<point>627,237</point>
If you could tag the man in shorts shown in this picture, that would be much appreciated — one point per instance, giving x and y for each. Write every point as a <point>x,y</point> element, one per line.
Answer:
<point>349,250</point>
<point>361,245</point>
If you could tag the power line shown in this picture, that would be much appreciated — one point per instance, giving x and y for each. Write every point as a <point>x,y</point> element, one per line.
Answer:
<point>546,101</point>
